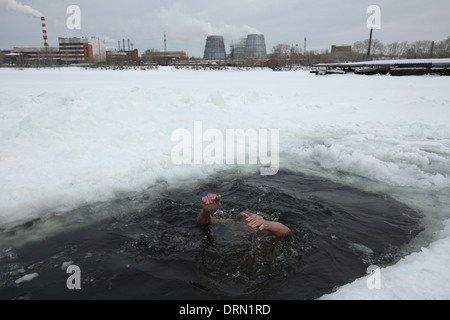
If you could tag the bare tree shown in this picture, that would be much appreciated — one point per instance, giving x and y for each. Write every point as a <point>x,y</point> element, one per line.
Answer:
<point>419,49</point>
<point>442,49</point>
<point>377,48</point>
<point>392,50</point>
<point>360,46</point>
<point>281,52</point>
<point>295,55</point>
<point>403,49</point>
<point>396,50</point>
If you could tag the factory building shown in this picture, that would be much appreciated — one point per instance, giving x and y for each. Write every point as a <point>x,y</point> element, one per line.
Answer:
<point>163,57</point>
<point>251,48</point>
<point>130,57</point>
<point>341,52</point>
<point>340,49</point>
<point>37,56</point>
<point>82,50</point>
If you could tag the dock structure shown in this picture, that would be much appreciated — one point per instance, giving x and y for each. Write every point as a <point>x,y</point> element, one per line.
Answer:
<point>393,67</point>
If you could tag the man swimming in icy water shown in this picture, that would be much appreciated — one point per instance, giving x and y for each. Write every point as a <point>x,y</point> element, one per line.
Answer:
<point>211,203</point>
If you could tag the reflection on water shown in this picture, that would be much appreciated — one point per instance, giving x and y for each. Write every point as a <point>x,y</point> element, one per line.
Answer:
<point>158,251</point>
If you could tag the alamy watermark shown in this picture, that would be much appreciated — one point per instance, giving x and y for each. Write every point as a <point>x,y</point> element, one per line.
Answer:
<point>374,20</point>
<point>374,279</point>
<point>73,281</point>
<point>74,20</point>
<point>214,146</point>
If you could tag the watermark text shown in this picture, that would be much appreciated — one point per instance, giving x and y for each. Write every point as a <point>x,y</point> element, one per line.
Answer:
<point>74,20</point>
<point>74,281</point>
<point>374,280</point>
<point>235,146</point>
<point>374,20</point>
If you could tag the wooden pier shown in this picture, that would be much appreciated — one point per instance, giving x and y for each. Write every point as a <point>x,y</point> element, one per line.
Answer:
<point>393,67</point>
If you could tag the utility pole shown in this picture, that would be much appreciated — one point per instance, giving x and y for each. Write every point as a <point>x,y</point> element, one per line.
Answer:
<point>304,54</point>
<point>165,49</point>
<point>370,43</point>
<point>431,49</point>
<point>232,52</point>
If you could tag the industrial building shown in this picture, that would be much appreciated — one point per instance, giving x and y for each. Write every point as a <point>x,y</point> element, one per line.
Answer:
<point>129,57</point>
<point>82,50</point>
<point>163,57</point>
<point>42,56</point>
<point>340,49</point>
<point>70,51</point>
<point>341,52</point>
<point>251,48</point>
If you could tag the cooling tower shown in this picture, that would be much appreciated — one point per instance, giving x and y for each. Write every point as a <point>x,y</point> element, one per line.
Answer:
<point>214,48</point>
<point>238,50</point>
<point>255,47</point>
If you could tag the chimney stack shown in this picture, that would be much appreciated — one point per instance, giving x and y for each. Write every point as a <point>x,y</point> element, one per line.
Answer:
<point>44,32</point>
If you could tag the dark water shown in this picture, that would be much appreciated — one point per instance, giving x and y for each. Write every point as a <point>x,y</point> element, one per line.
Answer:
<point>158,251</point>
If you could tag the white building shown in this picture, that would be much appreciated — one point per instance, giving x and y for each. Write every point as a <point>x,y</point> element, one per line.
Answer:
<point>82,50</point>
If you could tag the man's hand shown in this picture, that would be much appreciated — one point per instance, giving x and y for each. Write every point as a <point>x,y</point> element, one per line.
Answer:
<point>256,221</point>
<point>210,204</point>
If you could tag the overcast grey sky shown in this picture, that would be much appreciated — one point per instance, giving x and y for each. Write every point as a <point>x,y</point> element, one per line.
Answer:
<point>188,22</point>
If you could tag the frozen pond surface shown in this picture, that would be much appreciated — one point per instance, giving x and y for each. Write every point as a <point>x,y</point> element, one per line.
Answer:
<point>75,138</point>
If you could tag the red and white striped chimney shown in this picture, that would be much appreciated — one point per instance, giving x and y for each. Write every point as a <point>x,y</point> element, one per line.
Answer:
<point>44,32</point>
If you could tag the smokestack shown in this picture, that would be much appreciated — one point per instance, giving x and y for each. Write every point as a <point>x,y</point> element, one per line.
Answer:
<point>119,44</point>
<point>123,47</point>
<point>128,44</point>
<point>44,32</point>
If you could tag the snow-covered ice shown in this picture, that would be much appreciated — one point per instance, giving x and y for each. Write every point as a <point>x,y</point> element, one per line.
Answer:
<point>72,136</point>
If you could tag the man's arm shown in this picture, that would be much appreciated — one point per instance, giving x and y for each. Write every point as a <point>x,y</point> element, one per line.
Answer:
<point>210,204</point>
<point>256,221</point>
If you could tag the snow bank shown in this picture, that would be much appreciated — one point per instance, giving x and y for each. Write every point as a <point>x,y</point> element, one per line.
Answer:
<point>72,136</point>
